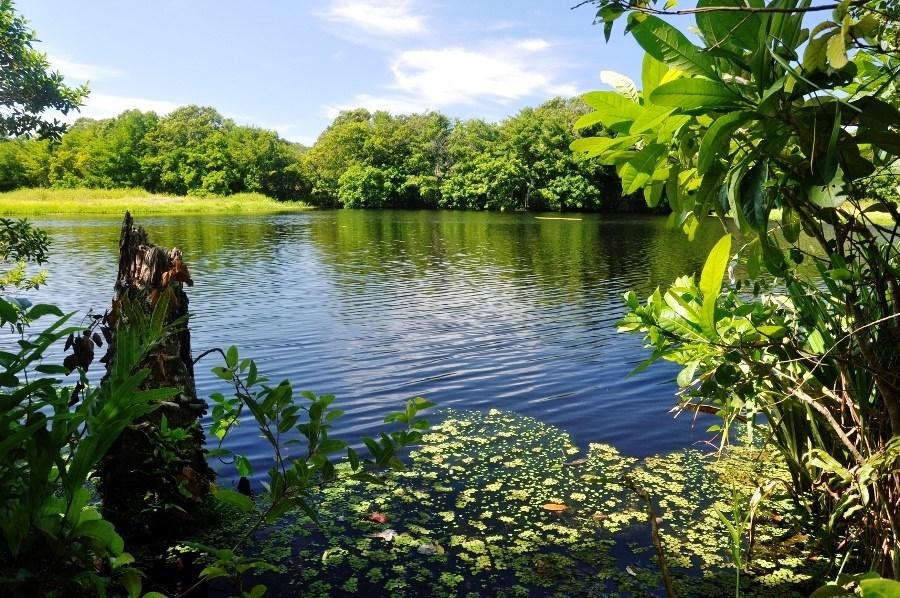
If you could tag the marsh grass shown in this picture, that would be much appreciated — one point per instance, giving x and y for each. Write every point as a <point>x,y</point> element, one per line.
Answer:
<point>33,202</point>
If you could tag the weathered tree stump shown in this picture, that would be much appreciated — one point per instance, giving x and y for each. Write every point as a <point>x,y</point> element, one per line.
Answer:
<point>150,479</point>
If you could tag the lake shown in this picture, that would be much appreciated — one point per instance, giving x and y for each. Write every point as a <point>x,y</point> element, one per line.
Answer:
<point>471,310</point>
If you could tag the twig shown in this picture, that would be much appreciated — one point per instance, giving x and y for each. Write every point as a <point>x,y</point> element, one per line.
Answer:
<point>654,535</point>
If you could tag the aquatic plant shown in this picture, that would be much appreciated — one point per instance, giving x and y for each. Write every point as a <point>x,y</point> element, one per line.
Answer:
<point>502,504</point>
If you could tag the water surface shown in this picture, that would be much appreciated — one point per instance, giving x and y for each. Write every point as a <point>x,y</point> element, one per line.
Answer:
<point>472,310</point>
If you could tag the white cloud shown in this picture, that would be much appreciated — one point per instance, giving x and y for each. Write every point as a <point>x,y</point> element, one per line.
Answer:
<point>436,78</point>
<point>460,76</point>
<point>381,17</point>
<point>534,44</point>
<point>101,105</point>
<point>80,71</point>
<point>566,90</point>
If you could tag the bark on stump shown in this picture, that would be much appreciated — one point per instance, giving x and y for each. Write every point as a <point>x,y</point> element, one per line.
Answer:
<point>142,493</point>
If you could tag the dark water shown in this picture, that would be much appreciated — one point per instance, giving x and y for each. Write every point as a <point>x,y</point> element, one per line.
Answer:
<point>472,310</point>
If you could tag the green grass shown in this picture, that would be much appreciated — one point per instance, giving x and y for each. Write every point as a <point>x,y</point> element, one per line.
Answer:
<point>33,202</point>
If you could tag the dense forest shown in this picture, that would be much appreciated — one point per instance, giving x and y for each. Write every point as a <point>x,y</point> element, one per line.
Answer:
<point>362,160</point>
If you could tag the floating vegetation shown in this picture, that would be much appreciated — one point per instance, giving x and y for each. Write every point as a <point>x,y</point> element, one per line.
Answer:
<point>501,504</point>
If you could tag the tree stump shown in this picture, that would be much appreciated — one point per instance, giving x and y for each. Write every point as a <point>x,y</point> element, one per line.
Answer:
<point>151,478</point>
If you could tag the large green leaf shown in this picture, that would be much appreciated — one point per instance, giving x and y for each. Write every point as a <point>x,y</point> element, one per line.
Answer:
<point>715,267</point>
<point>693,94</point>
<point>652,72</point>
<point>711,282</point>
<point>814,54</point>
<point>883,140</point>
<point>639,169</point>
<point>730,29</point>
<point>753,197</point>
<point>611,108</point>
<point>875,112</point>
<point>591,147</point>
<point>650,118</point>
<point>102,533</point>
<point>836,50</point>
<point>669,45</point>
<point>235,499</point>
<point>717,139</point>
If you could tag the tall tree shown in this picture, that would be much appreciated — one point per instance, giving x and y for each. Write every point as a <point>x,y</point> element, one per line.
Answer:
<point>28,89</point>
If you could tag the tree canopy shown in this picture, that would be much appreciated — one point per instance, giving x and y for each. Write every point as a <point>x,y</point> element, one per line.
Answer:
<point>362,160</point>
<point>28,88</point>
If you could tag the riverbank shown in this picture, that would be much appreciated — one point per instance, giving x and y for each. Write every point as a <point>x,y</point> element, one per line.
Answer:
<point>35,202</point>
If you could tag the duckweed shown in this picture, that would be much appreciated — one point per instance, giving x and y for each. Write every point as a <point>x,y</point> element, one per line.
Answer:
<point>477,489</point>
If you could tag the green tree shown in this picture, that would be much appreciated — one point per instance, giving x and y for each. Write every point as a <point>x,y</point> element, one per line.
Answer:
<point>102,153</point>
<point>27,87</point>
<point>775,128</point>
<point>554,177</point>
<point>336,149</point>
<point>365,187</point>
<point>24,163</point>
<point>186,153</point>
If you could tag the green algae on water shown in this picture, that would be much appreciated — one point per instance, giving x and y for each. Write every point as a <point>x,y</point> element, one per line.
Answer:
<point>469,518</point>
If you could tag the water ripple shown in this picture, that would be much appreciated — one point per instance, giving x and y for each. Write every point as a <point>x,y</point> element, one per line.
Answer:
<point>472,310</point>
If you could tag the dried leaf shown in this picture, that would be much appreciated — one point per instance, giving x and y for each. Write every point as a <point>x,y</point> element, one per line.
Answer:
<point>377,517</point>
<point>555,507</point>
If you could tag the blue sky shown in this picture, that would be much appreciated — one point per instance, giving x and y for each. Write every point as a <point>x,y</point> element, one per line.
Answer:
<point>291,65</point>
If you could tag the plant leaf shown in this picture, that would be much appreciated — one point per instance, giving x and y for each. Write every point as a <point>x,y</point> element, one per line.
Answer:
<point>730,28</point>
<point>714,268</point>
<point>652,72</point>
<point>695,93</point>
<point>669,45</point>
<point>611,108</point>
<point>639,169</point>
<point>717,139</point>
<point>836,51</point>
<point>830,195</point>
<point>235,499</point>
<point>622,84</point>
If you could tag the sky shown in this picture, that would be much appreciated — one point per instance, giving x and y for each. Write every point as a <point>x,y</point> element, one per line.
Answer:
<point>292,65</point>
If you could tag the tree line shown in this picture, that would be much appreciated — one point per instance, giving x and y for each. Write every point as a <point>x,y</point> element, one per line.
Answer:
<point>362,160</point>
<point>194,150</point>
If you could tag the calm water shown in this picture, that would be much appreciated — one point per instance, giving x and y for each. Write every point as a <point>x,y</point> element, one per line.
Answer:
<point>472,310</point>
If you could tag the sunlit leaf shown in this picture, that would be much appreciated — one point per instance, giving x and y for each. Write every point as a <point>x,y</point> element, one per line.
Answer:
<point>694,94</point>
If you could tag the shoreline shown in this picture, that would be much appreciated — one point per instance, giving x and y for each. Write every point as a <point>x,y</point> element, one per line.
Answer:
<point>50,202</point>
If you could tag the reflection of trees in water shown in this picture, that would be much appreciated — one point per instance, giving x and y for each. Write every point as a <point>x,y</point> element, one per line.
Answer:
<point>198,236</point>
<point>566,258</point>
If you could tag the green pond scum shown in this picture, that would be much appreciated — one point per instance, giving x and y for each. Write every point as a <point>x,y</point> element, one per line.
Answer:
<point>472,517</point>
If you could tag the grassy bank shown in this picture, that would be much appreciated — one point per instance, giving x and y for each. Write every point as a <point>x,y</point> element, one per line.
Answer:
<point>33,202</point>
